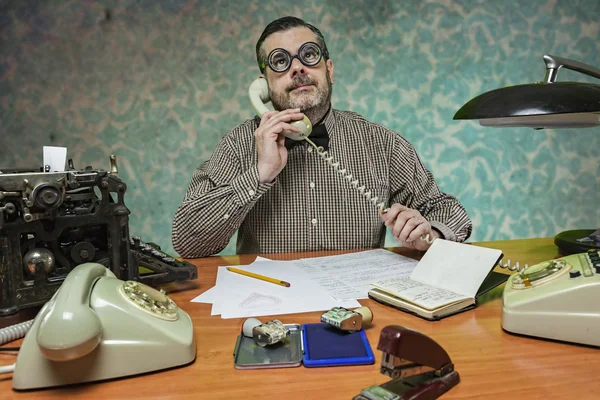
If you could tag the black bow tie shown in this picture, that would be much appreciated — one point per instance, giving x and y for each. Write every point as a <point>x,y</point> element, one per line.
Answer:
<point>318,135</point>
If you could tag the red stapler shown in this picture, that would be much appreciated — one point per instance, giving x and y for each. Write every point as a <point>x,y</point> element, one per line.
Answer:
<point>419,367</point>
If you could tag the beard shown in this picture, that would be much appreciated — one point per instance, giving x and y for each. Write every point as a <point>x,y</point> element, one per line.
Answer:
<point>313,102</point>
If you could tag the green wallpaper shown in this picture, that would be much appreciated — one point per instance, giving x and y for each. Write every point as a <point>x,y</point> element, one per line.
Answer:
<point>158,83</point>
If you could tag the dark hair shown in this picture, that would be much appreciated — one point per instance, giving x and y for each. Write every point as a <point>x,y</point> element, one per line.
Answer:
<point>283,24</point>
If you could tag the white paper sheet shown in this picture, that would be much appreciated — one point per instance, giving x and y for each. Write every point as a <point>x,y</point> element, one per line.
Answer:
<point>206,297</point>
<point>348,276</point>
<point>317,284</point>
<point>249,297</point>
<point>55,157</point>
<point>221,291</point>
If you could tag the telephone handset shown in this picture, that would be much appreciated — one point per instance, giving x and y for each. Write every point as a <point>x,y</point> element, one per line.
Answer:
<point>69,328</point>
<point>555,299</point>
<point>98,327</point>
<point>259,98</point>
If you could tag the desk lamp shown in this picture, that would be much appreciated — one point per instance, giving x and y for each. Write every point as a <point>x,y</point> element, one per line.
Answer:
<point>547,104</point>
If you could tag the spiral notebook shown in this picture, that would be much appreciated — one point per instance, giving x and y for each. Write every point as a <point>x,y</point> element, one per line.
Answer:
<point>449,279</point>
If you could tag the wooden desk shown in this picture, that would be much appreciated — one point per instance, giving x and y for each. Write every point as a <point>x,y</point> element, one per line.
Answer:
<point>492,363</point>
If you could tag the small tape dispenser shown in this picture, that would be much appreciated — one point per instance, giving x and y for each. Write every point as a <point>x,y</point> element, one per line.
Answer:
<point>347,320</point>
<point>419,367</point>
<point>265,334</point>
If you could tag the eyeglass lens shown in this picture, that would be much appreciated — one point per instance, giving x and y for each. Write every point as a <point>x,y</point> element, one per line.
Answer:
<point>309,54</point>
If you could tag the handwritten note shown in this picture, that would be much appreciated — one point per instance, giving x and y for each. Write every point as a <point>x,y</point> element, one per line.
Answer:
<point>426,296</point>
<point>349,276</point>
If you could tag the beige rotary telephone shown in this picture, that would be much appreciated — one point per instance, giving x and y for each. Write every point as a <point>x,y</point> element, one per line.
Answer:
<point>98,327</point>
<point>259,98</point>
<point>555,299</point>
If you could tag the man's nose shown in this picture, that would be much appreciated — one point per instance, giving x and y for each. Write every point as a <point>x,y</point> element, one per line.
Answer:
<point>297,68</point>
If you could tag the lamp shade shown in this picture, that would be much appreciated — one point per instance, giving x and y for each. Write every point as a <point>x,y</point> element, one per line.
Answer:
<point>546,104</point>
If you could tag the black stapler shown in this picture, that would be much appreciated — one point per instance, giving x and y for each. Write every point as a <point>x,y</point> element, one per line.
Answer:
<point>419,367</point>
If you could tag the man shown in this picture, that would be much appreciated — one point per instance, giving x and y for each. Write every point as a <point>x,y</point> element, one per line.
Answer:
<point>283,197</point>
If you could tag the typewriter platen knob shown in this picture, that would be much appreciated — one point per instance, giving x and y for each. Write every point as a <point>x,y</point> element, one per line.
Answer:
<point>47,196</point>
<point>42,257</point>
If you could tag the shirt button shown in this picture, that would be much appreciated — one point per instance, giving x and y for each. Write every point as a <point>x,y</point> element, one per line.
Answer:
<point>251,192</point>
<point>312,185</point>
<point>314,221</point>
<point>226,216</point>
<point>310,149</point>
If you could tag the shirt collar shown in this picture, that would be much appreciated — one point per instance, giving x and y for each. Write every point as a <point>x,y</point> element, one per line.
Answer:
<point>328,120</point>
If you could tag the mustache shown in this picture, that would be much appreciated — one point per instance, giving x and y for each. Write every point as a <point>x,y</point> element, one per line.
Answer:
<point>300,81</point>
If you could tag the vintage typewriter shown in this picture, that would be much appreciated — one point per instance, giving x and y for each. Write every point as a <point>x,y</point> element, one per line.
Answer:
<point>50,222</point>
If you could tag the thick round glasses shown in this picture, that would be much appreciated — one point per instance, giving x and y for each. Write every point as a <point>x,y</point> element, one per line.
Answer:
<point>280,60</point>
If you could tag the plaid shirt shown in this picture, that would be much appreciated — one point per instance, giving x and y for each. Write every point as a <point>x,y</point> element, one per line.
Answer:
<point>309,207</point>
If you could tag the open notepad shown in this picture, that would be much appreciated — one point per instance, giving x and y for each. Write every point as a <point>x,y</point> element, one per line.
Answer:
<point>447,280</point>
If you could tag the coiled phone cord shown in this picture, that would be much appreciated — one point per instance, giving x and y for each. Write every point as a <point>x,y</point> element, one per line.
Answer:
<point>14,332</point>
<point>11,333</point>
<point>354,183</point>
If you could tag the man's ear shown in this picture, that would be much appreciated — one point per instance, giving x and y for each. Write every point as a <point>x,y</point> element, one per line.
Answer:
<point>330,70</point>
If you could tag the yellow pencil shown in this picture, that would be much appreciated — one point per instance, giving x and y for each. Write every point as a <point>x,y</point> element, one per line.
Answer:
<point>257,276</point>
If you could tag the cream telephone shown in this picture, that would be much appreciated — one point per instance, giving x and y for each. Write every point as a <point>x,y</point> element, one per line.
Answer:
<point>98,327</point>
<point>259,98</point>
<point>556,299</point>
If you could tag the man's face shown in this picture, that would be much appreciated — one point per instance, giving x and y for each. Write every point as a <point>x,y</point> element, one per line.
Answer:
<point>306,88</point>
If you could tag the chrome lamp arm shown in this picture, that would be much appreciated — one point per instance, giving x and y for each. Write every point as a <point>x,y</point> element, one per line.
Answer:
<point>553,64</point>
